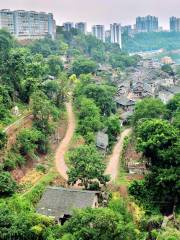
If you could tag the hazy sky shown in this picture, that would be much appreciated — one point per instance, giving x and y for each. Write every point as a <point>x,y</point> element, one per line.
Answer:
<point>100,11</point>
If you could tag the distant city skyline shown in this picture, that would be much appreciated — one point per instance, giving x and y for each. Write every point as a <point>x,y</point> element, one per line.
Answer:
<point>100,11</point>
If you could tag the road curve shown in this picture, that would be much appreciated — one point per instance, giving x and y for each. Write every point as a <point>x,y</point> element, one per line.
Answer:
<point>64,145</point>
<point>113,164</point>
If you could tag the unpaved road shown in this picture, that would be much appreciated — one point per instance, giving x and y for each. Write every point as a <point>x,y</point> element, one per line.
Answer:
<point>64,145</point>
<point>113,164</point>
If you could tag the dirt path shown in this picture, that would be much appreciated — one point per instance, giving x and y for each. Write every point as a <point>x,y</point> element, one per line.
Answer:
<point>113,164</point>
<point>64,145</point>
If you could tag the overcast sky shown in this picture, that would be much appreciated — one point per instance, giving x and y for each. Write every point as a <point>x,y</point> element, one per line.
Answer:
<point>100,11</point>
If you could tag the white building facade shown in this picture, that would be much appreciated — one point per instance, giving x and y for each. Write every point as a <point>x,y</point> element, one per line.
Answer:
<point>67,26</point>
<point>81,27</point>
<point>99,32</point>
<point>116,35</point>
<point>28,24</point>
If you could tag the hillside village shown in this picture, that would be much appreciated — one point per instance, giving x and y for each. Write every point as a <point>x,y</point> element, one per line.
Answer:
<point>78,143</point>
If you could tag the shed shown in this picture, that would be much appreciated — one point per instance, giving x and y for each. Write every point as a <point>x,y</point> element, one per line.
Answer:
<point>58,202</point>
<point>102,140</point>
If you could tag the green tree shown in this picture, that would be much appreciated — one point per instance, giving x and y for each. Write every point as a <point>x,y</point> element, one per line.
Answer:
<point>174,104</point>
<point>158,140</point>
<point>6,43</point>
<point>86,165</point>
<point>17,67</point>
<point>83,66</point>
<point>58,90</point>
<point>148,108</point>
<point>103,96</point>
<point>46,47</point>
<point>23,224</point>
<point>160,188</point>
<point>89,116</point>
<point>113,127</point>
<point>41,107</point>
<point>27,140</point>
<point>55,65</point>
<point>3,139</point>
<point>38,67</point>
<point>102,223</point>
<point>169,234</point>
<point>7,185</point>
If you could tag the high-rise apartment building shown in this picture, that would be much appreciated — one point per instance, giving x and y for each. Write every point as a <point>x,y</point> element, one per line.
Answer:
<point>147,24</point>
<point>174,24</point>
<point>81,27</point>
<point>127,29</point>
<point>7,20</point>
<point>115,29</point>
<point>67,26</point>
<point>99,32</point>
<point>28,24</point>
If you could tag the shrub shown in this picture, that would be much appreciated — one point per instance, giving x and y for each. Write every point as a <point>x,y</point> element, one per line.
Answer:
<point>41,168</point>
<point>12,160</point>
<point>3,139</point>
<point>7,185</point>
<point>27,140</point>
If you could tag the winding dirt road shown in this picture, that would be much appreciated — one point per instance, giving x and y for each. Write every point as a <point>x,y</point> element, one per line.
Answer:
<point>64,145</point>
<point>113,164</point>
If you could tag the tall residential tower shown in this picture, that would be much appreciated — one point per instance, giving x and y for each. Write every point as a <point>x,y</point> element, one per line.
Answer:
<point>99,32</point>
<point>174,24</point>
<point>82,27</point>
<point>147,24</point>
<point>115,29</point>
<point>68,26</point>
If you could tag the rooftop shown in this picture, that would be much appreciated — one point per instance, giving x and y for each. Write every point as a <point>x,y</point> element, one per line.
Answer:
<point>102,140</point>
<point>58,201</point>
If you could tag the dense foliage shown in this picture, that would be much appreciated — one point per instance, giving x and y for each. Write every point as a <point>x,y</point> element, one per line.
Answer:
<point>151,41</point>
<point>86,165</point>
<point>158,140</point>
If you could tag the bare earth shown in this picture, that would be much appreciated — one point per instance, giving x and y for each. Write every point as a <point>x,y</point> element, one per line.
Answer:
<point>113,164</point>
<point>64,145</point>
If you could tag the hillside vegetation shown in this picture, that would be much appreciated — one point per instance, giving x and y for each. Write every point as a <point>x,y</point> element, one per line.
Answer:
<point>41,77</point>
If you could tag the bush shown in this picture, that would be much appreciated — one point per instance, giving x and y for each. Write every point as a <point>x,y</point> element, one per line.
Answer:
<point>12,160</point>
<point>3,139</point>
<point>7,185</point>
<point>27,140</point>
<point>41,168</point>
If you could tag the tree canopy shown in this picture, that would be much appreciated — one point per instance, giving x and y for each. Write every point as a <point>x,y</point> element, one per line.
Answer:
<point>86,165</point>
<point>148,108</point>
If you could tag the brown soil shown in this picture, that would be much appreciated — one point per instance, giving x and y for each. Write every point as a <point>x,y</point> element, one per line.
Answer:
<point>20,173</point>
<point>64,145</point>
<point>113,165</point>
<point>131,154</point>
<point>13,129</point>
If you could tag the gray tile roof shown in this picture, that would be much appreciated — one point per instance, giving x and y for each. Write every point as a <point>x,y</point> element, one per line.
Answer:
<point>124,101</point>
<point>57,201</point>
<point>174,89</point>
<point>102,140</point>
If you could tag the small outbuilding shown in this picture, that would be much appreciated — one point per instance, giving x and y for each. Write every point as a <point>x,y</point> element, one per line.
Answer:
<point>58,202</point>
<point>102,141</point>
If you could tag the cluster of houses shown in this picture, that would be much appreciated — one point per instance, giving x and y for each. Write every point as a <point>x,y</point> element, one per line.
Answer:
<point>147,80</point>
